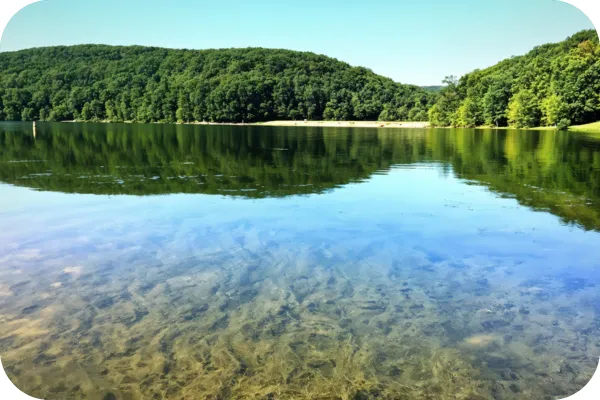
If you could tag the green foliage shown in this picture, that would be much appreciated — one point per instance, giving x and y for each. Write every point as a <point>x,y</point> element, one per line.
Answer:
<point>145,84</point>
<point>523,111</point>
<point>552,82</point>
<point>563,124</point>
<point>446,107</point>
<point>417,114</point>
<point>468,114</point>
<point>553,110</point>
<point>388,115</point>
<point>436,117</point>
<point>495,102</point>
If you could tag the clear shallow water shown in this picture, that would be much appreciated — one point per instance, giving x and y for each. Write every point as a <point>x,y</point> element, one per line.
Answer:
<point>229,262</point>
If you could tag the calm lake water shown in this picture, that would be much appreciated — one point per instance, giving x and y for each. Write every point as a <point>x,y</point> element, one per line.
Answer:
<point>205,262</point>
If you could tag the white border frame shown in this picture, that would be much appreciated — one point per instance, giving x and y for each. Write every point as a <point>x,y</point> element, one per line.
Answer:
<point>8,8</point>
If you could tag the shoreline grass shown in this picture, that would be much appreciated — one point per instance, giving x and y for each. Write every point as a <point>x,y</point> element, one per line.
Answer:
<point>588,128</point>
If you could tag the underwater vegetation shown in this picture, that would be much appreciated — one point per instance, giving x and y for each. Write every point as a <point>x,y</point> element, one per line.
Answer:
<point>269,320</point>
<point>310,264</point>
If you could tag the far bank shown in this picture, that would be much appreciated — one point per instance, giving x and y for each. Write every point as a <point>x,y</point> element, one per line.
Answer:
<point>326,124</point>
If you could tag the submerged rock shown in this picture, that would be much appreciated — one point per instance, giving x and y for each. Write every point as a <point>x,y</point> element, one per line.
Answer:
<point>480,340</point>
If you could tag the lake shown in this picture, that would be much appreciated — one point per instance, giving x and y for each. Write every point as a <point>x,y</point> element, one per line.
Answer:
<point>247,262</point>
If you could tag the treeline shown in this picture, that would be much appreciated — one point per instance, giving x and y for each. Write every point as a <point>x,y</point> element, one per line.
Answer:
<point>144,84</point>
<point>553,85</point>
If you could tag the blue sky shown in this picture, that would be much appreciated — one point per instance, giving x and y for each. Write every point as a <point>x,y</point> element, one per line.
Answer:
<point>410,41</point>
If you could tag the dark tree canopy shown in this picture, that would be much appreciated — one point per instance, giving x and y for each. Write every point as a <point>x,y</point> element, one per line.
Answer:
<point>552,83</point>
<point>145,84</point>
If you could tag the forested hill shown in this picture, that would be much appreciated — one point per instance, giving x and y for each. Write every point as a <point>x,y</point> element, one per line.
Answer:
<point>435,88</point>
<point>144,84</point>
<point>554,84</point>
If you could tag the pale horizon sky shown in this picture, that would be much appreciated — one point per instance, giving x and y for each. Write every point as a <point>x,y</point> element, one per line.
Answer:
<point>410,41</point>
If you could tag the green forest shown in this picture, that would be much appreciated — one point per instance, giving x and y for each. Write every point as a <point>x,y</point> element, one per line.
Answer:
<point>144,84</point>
<point>553,85</point>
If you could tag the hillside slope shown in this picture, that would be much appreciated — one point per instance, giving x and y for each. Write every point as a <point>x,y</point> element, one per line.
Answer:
<point>552,83</point>
<point>144,84</point>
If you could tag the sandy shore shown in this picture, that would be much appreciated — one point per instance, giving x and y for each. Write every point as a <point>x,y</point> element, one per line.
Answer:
<point>348,124</point>
<point>328,124</point>
<point>591,128</point>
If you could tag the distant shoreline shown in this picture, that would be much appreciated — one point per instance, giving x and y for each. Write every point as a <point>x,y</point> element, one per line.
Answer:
<point>342,124</point>
<point>325,124</point>
<point>348,124</point>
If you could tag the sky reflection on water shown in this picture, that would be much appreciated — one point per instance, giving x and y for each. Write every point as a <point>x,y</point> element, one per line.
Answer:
<point>401,271</point>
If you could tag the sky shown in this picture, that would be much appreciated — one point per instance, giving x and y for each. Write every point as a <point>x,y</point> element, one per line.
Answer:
<point>411,41</point>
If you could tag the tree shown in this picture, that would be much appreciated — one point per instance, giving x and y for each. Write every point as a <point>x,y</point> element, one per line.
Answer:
<point>563,124</point>
<point>339,108</point>
<point>387,114</point>
<point>402,113</point>
<point>547,84</point>
<point>523,111</point>
<point>86,112</point>
<point>447,105</point>
<point>111,111</point>
<point>553,110</point>
<point>28,114</point>
<point>437,117</point>
<point>59,113</point>
<point>94,82</point>
<point>495,102</point>
<point>451,81</point>
<point>421,116</point>
<point>468,114</point>
<point>184,111</point>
